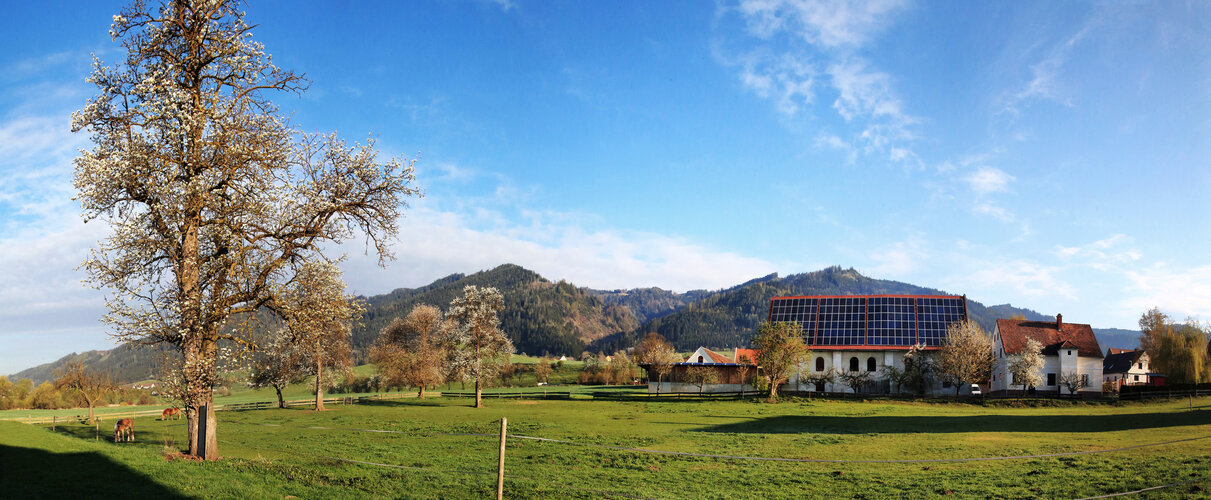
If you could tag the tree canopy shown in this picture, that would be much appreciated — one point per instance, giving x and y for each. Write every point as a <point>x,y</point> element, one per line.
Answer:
<point>213,198</point>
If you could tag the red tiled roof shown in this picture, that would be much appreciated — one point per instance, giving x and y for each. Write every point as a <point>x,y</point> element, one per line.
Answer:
<point>1115,350</point>
<point>746,356</point>
<point>716,357</point>
<point>1015,332</point>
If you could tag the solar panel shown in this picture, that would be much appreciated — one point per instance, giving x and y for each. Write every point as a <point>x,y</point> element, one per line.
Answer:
<point>860,320</point>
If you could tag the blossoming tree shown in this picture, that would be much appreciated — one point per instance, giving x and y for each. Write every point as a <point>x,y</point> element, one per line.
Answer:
<point>213,199</point>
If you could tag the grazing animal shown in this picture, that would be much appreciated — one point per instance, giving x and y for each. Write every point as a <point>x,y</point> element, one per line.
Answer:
<point>124,428</point>
<point>171,412</point>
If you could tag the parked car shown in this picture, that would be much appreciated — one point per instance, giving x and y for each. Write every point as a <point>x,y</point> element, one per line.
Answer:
<point>975,390</point>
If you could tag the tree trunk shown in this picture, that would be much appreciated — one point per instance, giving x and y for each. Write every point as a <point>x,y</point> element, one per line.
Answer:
<point>281,402</point>
<point>422,392</point>
<point>90,411</point>
<point>479,396</point>
<point>773,389</point>
<point>319,382</point>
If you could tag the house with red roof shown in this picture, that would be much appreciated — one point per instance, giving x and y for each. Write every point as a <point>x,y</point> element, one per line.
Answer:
<point>1067,348</point>
<point>734,375</point>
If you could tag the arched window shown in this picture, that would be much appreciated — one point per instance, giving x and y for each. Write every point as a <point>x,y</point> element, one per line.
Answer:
<point>819,364</point>
<point>870,364</point>
<point>853,364</point>
<point>699,359</point>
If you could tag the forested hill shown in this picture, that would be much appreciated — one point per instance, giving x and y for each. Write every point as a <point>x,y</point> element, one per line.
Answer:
<point>539,316</point>
<point>559,318</point>
<point>729,318</point>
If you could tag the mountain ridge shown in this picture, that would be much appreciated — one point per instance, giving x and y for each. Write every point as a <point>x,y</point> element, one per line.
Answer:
<point>545,317</point>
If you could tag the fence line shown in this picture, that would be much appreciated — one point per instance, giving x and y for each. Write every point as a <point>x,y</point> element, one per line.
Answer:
<point>766,459</point>
<point>438,471</point>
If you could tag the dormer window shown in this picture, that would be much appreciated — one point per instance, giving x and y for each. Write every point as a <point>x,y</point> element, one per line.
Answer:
<point>699,359</point>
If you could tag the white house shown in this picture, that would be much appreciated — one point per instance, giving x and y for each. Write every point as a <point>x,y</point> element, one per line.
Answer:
<point>1067,348</point>
<point>1127,367</point>
<point>867,333</point>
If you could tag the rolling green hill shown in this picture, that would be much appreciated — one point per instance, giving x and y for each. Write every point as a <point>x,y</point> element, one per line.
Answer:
<point>559,318</point>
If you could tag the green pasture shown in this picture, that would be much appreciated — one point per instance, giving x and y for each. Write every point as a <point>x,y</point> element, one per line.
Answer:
<point>441,447</point>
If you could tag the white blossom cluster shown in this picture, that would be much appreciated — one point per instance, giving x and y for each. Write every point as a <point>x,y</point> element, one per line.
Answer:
<point>477,337</point>
<point>216,203</point>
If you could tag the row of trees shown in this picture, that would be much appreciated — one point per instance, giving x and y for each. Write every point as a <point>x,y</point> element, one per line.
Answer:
<point>428,347</point>
<point>1182,351</point>
<point>73,387</point>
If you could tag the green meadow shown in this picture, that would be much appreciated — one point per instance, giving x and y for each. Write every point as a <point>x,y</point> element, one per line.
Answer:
<point>441,447</point>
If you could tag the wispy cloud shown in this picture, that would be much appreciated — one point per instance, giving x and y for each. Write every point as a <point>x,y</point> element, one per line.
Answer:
<point>806,47</point>
<point>987,180</point>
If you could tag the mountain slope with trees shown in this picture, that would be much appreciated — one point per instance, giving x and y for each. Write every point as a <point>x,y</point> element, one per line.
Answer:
<point>541,316</point>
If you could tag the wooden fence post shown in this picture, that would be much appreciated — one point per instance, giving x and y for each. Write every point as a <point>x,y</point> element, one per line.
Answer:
<point>53,420</point>
<point>500,469</point>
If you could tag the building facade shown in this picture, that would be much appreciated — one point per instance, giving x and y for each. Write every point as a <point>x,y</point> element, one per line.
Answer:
<point>1067,348</point>
<point>1127,367</point>
<point>851,333</point>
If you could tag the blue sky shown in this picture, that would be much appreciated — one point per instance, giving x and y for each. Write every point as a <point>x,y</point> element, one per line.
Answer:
<point>1053,155</point>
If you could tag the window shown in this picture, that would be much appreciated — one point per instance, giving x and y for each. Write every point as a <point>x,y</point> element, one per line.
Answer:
<point>1141,366</point>
<point>1137,378</point>
<point>699,359</point>
<point>870,364</point>
<point>820,365</point>
<point>1050,379</point>
<point>1084,380</point>
<point>1070,352</point>
<point>853,364</point>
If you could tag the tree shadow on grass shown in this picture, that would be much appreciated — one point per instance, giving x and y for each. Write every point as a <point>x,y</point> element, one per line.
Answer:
<point>794,424</point>
<point>34,473</point>
<point>409,402</point>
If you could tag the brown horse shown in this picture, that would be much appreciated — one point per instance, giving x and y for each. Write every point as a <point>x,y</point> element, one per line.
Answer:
<point>171,412</point>
<point>125,428</point>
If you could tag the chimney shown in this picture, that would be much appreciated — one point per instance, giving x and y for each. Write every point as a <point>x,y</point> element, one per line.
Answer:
<point>1059,322</point>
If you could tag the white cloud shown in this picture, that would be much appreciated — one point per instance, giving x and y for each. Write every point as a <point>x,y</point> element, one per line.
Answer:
<point>899,260</point>
<point>1180,292</point>
<point>436,243</point>
<point>800,40</point>
<point>988,180</point>
<point>819,22</point>
<point>998,212</point>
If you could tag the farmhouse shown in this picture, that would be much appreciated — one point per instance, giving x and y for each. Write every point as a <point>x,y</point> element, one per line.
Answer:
<point>867,332</point>
<point>1067,348</point>
<point>1127,367</point>
<point>732,376</point>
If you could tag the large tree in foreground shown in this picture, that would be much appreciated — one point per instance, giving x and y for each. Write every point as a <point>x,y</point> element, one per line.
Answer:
<point>781,354</point>
<point>214,201</point>
<point>478,347</point>
<point>966,354</point>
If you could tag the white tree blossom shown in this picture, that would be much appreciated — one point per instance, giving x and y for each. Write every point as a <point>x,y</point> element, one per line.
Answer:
<point>213,199</point>
<point>477,344</point>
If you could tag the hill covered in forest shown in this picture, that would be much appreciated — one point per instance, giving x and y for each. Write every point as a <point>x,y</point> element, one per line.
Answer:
<point>557,318</point>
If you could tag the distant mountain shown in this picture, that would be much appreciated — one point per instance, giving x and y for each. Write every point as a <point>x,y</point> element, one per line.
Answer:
<point>125,363</point>
<point>730,317</point>
<point>1117,338</point>
<point>541,316</point>
<point>650,303</point>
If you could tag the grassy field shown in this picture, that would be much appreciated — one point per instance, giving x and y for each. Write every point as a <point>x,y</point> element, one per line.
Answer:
<point>434,448</point>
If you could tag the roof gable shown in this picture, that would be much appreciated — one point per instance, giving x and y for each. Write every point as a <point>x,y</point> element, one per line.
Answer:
<point>1013,334</point>
<point>1121,361</point>
<point>708,356</point>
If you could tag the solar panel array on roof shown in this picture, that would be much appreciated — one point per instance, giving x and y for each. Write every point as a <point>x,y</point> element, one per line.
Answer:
<point>876,320</point>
